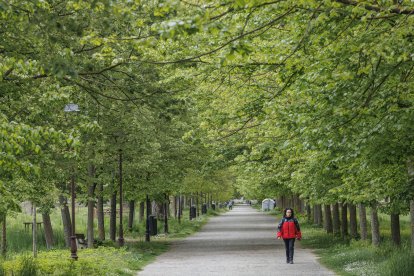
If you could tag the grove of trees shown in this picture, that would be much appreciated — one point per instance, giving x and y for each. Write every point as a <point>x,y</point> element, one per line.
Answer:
<point>307,100</point>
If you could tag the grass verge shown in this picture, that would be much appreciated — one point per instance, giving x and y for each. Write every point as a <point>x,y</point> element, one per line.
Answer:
<point>356,257</point>
<point>107,259</point>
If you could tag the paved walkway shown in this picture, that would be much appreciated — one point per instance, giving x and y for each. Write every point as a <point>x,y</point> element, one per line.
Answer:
<point>239,242</point>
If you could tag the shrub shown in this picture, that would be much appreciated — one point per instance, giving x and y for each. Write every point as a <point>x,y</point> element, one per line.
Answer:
<point>100,261</point>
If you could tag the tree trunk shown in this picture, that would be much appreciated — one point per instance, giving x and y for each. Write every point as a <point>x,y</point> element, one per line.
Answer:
<point>197,204</point>
<point>297,203</point>
<point>100,213</point>
<point>67,224</point>
<point>317,214</point>
<point>147,228</point>
<point>395,229</point>
<point>91,206</point>
<point>131,214</point>
<point>344,220</point>
<point>363,222</point>
<point>141,211</point>
<point>166,214</point>
<point>412,224</point>
<point>179,209</point>
<point>175,207</point>
<point>182,202</point>
<point>308,211</point>
<point>154,209</point>
<point>353,225</point>
<point>328,219</point>
<point>112,219</point>
<point>375,226</point>
<point>47,225</point>
<point>410,168</point>
<point>336,224</point>
<point>34,231</point>
<point>3,235</point>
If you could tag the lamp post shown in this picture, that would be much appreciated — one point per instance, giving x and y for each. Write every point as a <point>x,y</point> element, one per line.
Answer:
<point>73,248</point>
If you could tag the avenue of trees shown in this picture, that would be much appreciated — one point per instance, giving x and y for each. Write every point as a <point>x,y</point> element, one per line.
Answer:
<point>310,101</point>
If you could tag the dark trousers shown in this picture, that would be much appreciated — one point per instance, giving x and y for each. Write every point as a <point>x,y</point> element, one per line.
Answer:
<point>290,247</point>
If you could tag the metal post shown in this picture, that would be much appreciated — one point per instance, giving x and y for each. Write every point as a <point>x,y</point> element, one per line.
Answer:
<point>121,227</point>
<point>34,232</point>
<point>73,247</point>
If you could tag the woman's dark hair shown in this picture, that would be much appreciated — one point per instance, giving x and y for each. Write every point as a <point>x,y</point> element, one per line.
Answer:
<point>284,212</point>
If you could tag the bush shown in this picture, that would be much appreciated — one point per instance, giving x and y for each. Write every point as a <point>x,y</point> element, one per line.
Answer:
<point>100,261</point>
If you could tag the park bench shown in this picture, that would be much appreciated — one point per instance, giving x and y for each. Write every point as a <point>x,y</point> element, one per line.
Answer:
<point>28,224</point>
<point>107,211</point>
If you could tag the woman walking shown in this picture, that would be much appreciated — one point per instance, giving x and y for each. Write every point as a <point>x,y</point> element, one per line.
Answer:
<point>289,230</point>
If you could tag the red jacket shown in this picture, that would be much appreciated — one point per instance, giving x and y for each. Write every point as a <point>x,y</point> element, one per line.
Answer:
<point>288,228</point>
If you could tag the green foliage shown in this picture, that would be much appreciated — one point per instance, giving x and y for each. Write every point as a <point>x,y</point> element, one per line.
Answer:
<point>28,266</point>
<point>91,261</point>
<point>107,259</point>
<point>348,257</point>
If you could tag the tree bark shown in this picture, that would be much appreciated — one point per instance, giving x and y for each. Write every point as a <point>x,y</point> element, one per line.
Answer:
<point>353,226</point>
<point>166,214</point>
<point>131,214</point>
<point>179,209</point>
<point>67,224</point>
<point>34,231</point>
<point>308,211</point>
<point>155,210</point>
<point>395,229</point>
<point>112,220</point>
<point>197,204</point>
<point>410,168</point>
<point>344,220</point>
<point>91,205</point>
<point>317,214</point>
<point>297,203</point>
<point>100,213</point>
<point>147,228</point>
<point>47,225</point>
<point>375,226</point>
<point>336,224</point>
<point>412,225</point>
<point>141,211</point>
<point>328,219</point>
<point>3,235</point>
<point>363,222</point>
<point>175,206</point>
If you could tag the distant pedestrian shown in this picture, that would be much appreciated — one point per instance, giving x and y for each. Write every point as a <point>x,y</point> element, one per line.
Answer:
<point>289,230</point>
<point>231,204</point>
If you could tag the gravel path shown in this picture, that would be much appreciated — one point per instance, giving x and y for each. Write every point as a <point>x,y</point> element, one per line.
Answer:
<point>239,242</point>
